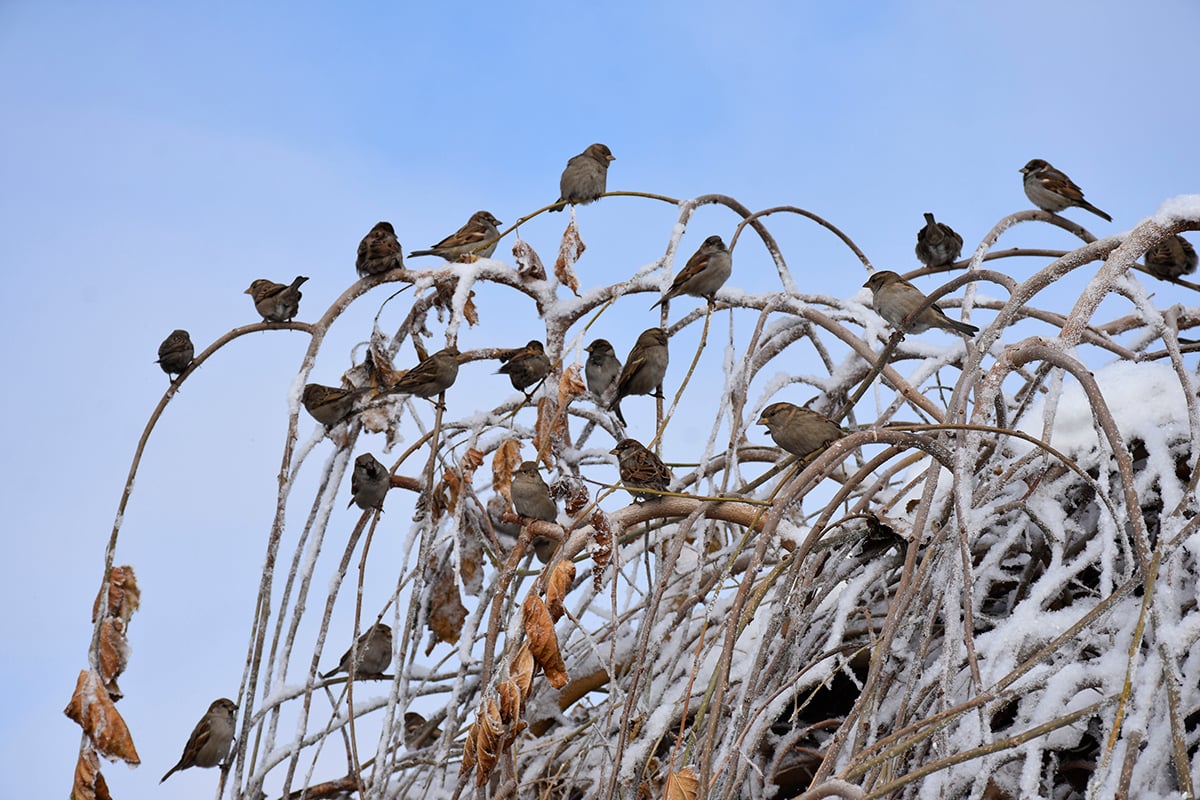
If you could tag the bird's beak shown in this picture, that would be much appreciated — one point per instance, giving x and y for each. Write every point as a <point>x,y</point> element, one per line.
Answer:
<point>611,157</point>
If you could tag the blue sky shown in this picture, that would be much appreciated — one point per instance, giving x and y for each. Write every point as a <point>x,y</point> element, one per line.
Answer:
<point>158,157</point>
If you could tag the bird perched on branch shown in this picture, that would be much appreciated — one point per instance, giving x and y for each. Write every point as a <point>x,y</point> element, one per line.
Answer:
<point>432,376</point>
<point>531,495</point>
<point>895,299</point>
<point>937,243</point>
<point>276,302</point>
<point>175,353</point>
<point>644,369</point>
<point>369,482</point>
<point>526,365</point>
<point>374,653</point>
<point>602,367</point>
<point>379,251</point>
<point>640,469</point>
<point>328,405</point>
<point>478,237</point>
<point>1051,190</point>
<point>705,272</point>
<point>1173,257</point>
<point>585,177</point>
<point>210,740</point>
<point>799,430</point>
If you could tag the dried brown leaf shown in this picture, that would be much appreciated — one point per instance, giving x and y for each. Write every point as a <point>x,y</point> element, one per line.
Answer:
<point>470,311</point>
<point>529,264</point>
<point>468,760</point>
<point>93,710</point>
<point>569,251</point>
<point>510,701</point>
<point>470,462</point>
<point>487,741</point>
<point>549,432</point>
<point>114,654</point>
<point>570,386</point>
<point>683,785</point>
<point>521,670</point>
<point>573,490</point>
<point>446,611</point>
<point>470,566</point>
<point>602,539</point>
<point>505,461</point>
<point>89,783</point>
<point>557,587</point>
<point>124,596</point>
<point>543,641</point>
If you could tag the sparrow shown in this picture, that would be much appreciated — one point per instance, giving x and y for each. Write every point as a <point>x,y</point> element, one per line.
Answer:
<point>640,469</point>
<point>374,653</point>
<point>434,375</point>
<point>937,243</point>
<point>602,367</point>
<point>467,240</point>
<point>585,177</point>
<point>705,272</point>
<point>798,430</point>
<point>275,301</point>
<point>644,368</point>
<point>175,353</point>
<point>526,365</point>
<point>415,735</point>
<point>369,482</point>
<point>1171,258</point>
<point>1051,190</point>
<point>210,740</point>
<point>379,251</point>
<point>895,299</point>
<point>328,405</point>
<point>531,495</point>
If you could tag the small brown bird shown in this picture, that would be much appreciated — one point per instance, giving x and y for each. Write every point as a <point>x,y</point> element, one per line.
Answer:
<point>417,733</point>
<point>640,469</point>
<point>585,177</point>
<point>210,740</point>
<point>937,243</point>
<point>175,353</point>
<point>798,430</point>
<point>1173,257</point>
<point>328,405</point>
<point>432,376</point>
<point>704,274</point>
<point>602,367</point>
<point>276,302</point>
<point>1051,190</point>
<point>895,299</point>
<point>374,653</point>
<point>531,495</point>
<point>526,365</point>
<point>470,239</point>
<point>369,482</point>
<point>379,251</point>
<point>644,369</point>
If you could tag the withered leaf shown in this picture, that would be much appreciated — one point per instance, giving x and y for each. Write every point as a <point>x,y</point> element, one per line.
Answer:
<point>602,539</point>
<point>570,386</point>
<point>505,461</point>
<point>529,264</point>
<point>93,710</point>
<point>569,251</point>
<point>683,785</point>
<point>468,760</point>
<point>471,461</point>
<point>543,641</point>
<point>446,611</point>
<point>557,587</point>
<point>549,430</point>
<point>114,653</point>
<point>89,783</point>
<point>124,596</point>
<point>510,701</point>
<point>487,741</point>
<point>521,670</point>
